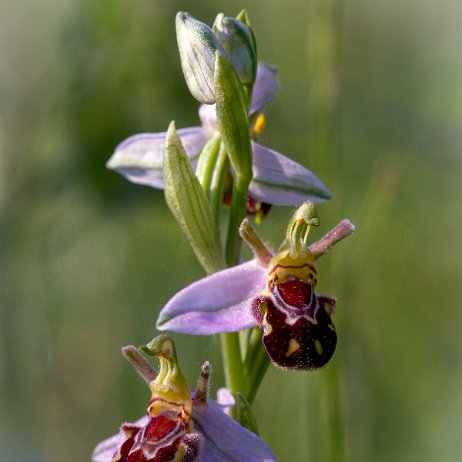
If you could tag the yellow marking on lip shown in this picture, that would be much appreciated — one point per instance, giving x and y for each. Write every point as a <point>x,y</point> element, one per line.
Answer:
<point>263,308</point>
<point>318,346</point>
<point>267,328</point>
<point>300,267</point>
<point>294,346</point>
<point>286,265</point>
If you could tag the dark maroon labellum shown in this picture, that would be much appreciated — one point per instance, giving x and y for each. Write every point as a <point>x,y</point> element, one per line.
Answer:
<point>298,332</point>
<point>163,439</point>
<point>295,292</point>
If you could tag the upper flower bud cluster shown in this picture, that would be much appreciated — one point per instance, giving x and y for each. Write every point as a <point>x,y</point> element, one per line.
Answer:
<point>199,44</point>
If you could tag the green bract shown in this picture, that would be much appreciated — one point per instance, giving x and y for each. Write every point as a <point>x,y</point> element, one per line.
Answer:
<point>244,413</point>
<point>233,125</point>
<point>232,119</point>
<point>188,203</point>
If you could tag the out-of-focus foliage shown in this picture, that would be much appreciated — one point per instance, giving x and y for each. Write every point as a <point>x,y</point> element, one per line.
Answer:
<point>371,101</point>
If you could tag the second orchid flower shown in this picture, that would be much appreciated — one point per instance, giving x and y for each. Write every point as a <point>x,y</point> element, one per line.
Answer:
<point>274,291</point>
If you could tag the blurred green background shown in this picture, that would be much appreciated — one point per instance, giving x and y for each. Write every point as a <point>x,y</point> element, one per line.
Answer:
<point>371,101</point>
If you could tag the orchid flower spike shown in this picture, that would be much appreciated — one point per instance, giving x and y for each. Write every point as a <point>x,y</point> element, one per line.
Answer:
<point>274,291</point>
<point>276,179</point>
<point>179,426</point>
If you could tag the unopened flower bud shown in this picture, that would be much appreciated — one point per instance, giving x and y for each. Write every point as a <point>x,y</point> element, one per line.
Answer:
<point>197,45</point>
<point>238,42</point>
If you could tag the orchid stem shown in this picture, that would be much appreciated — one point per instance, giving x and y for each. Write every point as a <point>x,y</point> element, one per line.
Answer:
<point>217,184</point>
<point>232,363</point>
<point>231,348</point>
<point>256,364</point>
<point>259,369</point>
<point>236,215</point>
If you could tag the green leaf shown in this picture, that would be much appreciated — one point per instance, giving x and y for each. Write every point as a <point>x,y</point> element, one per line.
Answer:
<point>244,413</point>
<point>188,203</point>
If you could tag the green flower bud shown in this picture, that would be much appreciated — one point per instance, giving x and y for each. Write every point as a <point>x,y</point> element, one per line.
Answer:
<point>238,41</point>
<point>197,45</point>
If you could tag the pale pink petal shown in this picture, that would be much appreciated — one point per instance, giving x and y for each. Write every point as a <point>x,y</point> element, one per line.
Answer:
<point>265,88</point>
<point>208,116</point>
<point>225,398</point>
<point>279,180</point>
<point>225,439</point>
<point>217,303</point>
<point>140,158</point>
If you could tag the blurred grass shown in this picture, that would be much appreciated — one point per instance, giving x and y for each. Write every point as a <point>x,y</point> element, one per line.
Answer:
<point>371,101</point>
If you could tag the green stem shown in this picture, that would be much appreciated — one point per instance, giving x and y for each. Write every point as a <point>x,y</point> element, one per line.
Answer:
<point>257,363</point>
<point>237,214</point>
<point>232,362</point>
<point>233,124</point>
<point>253,340</point>
<point>217,184</point>
<point>231,349</point>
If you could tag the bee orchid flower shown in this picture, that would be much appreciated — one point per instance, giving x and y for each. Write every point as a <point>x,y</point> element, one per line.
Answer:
<point>274,291</point>
<point>276,180</point>
<point>179,426</point>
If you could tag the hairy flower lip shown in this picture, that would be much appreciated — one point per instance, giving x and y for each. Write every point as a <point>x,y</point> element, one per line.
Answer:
<point>205,432</point>
<point>225,439</point>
